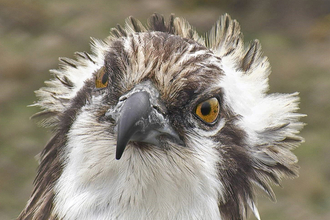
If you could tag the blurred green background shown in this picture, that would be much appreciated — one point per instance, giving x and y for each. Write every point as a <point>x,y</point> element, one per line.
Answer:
<point>295,36</point>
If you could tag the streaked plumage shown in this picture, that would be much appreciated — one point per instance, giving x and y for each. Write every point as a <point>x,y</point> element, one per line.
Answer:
<point>176,166</point>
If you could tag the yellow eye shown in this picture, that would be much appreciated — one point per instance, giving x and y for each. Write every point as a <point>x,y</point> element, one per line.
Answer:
<point>208,110</point>
<point>101,80</point>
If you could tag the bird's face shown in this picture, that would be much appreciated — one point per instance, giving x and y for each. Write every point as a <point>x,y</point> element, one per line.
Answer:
<point>154,89</point>
<point>150,120</point>
<point>164,123</point>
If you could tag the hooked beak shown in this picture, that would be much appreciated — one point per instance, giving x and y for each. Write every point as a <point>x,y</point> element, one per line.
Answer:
<point>139,121</point>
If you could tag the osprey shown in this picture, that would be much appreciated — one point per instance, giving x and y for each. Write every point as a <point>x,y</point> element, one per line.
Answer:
<point>159,122</point>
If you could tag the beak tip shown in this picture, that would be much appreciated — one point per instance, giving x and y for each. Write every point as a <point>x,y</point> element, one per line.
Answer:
<point>119,152</point>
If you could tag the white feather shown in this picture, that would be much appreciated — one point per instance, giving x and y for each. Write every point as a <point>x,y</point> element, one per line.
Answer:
<point>178,184</point>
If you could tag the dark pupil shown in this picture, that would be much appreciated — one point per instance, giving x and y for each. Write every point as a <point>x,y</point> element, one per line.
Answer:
<point>206,108</point>
<point>104,78</point>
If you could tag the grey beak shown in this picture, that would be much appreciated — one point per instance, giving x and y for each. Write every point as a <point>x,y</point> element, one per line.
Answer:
<point>139,121</point>
<point>135,110</point>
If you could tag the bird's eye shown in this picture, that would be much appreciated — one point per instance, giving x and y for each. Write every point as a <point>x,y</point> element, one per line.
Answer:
<point>208,110</point>
<point>101,80</point>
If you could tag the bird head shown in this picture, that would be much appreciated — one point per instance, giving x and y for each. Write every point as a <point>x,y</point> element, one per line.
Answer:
<point>161,123</point>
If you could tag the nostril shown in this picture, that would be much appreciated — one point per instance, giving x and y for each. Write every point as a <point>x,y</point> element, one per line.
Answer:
<point>160,109</point>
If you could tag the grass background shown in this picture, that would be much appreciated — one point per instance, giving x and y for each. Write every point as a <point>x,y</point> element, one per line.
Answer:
<point>295,36</point>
